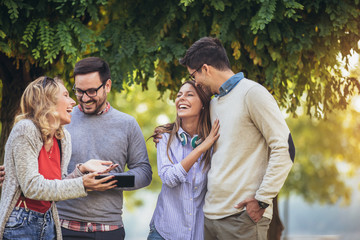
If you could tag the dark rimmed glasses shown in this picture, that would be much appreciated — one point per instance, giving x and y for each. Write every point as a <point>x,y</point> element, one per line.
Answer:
<point>192,75</point>
<point>45,80</point>
<point>92,92</point>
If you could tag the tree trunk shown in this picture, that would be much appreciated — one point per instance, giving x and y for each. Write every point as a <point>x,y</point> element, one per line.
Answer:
<point>276,226</point>
<point>15,76</point>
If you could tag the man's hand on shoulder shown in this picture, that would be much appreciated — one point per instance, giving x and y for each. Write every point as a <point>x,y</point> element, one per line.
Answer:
<point>252,208</point>
<point>157,138</point>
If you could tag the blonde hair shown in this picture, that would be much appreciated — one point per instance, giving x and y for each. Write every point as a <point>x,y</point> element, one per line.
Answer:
<point>38,103</point>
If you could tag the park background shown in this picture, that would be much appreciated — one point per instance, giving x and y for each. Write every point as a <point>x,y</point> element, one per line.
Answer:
<point>303,52</point>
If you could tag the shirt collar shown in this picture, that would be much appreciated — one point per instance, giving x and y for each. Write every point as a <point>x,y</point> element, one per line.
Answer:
<point>180,131</point>
<point>105,110</point>
<point>227,86</point>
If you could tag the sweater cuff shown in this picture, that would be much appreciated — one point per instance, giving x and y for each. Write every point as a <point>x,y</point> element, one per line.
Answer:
<point>76,173</point>
<point>82,187</point>
<point>265,200</point>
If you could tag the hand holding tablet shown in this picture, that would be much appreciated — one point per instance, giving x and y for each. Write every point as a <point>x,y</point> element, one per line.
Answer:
<point>122,180</point>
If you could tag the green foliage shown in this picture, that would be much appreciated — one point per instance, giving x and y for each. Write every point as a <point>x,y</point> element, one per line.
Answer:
<point>290,46</point>
<point>264,16</point>
<point>43,32</point>
<point>327,153</point>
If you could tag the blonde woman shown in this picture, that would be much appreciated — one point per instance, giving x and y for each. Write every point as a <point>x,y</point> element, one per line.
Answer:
<point>37,153</point>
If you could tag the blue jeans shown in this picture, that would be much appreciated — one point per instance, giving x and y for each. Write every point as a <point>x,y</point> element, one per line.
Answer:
<point>154,234</point>
<point>27,225</point>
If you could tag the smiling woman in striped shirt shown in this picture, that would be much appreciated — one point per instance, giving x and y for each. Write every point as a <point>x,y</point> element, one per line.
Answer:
<point>183,158</point>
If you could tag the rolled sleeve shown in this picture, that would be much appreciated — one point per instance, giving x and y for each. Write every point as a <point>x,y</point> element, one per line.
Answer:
<point>171,172</point>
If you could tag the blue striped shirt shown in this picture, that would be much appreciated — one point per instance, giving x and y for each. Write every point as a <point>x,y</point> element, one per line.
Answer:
<point>179,209</point>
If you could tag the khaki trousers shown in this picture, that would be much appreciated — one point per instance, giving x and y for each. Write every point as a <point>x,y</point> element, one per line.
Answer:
<point>237,227</point>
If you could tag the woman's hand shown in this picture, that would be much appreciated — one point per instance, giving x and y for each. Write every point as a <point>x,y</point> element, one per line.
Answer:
<point>213,136</point>
<point>99,166</point>
<point>190,159</point>
<point>92,184</point>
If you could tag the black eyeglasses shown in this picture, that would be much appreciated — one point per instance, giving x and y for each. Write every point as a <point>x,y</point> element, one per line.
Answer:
<point>192,76</point>
<point>92,92</point>
<point>46,79</point>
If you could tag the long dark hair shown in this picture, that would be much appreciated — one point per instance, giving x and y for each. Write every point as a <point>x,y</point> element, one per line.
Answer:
<point>203,128</point>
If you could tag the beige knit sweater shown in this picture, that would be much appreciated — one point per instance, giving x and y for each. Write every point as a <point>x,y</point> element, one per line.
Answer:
<point>22,175</point>
<point>252,157</point>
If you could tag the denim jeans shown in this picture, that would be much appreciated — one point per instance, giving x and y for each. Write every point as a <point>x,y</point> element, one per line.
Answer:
<point>27,225</point>
<point>154,235</point>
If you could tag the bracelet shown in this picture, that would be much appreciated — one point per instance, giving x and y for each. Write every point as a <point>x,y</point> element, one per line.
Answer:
<point>78,167</point>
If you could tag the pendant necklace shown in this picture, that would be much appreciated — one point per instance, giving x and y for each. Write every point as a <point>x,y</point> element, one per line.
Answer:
<point>51,150</point>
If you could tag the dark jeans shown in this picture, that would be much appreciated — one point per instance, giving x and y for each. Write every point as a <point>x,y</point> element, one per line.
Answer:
<point>118,234</point>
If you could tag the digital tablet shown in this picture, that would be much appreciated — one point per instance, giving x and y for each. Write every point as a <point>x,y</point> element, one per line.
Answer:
<point>122,180</point>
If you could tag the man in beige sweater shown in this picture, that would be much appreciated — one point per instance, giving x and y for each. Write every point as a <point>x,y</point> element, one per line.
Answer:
<point>255,151</point>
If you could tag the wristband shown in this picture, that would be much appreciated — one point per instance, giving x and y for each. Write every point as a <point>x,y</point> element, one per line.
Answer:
<point>263,205</point>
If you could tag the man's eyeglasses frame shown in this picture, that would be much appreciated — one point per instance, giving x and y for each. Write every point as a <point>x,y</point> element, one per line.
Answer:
<point>192,75</point>
<point>77,90</point>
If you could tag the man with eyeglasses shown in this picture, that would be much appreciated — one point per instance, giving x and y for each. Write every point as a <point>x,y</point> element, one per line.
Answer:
<point>254,153</point>
<point>99,131</point>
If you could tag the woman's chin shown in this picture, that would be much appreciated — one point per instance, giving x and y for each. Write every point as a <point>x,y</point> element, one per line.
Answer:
<point>65,121</point>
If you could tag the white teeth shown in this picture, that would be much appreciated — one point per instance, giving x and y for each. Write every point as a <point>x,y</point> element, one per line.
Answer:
<point>182,106</point>
<point>87,104</point>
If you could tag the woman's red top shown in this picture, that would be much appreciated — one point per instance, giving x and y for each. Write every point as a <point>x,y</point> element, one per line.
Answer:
<point>49,167</point>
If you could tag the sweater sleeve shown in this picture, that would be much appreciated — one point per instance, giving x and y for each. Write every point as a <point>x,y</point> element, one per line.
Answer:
<point>137,158</point>
<point>32,183</point>
<point>267,117</point>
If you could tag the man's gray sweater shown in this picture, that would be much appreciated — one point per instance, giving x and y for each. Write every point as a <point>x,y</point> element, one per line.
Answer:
<point>112,136</point>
